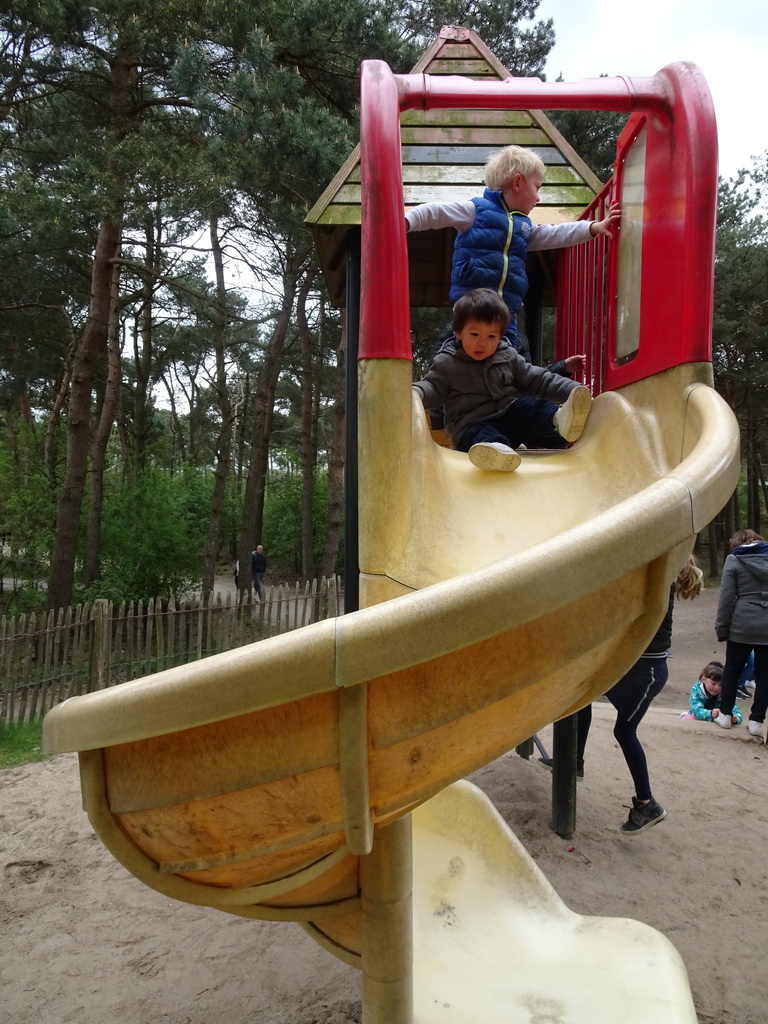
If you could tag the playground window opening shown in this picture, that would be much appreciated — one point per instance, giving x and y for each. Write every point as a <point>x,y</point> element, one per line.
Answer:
<point>631,171</point>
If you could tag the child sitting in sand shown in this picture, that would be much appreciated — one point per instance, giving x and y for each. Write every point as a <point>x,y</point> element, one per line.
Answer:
<point>493,400</point>
<point>705,695</point>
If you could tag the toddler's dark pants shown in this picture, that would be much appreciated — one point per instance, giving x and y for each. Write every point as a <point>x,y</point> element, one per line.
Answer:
<point>528,421</point>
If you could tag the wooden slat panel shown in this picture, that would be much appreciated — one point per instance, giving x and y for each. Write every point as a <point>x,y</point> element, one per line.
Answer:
<point>44,662</point>
<point>414,768</point>
<point>20,683</point>
<point>138,639</point>
<point>472,68</point>
<point>270,866</point>
<point>470,174</point>
<point>234,754</point>
<point>466,155</point>
<point>150,636</point>
<point>85,642</point>
<point>459,51</point>
<point>344,213</point>
<point>557,195</point>
<point>48,664</point>
<point>170,630</point>
<point>200,619</point>
<point>471,135</point>
<point>397,703</point>
<point>240,825</point>
<point>349,211</point>
<point>341,882</point>
<point>76,649</point>
<point>500,118</point>
<point>30,658</point>
<point>161,619</point>
<point>60,652</point>
<point>7,667</point>
<point>432,174</point>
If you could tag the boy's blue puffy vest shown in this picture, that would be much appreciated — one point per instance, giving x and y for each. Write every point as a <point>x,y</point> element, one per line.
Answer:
<point>491,254</point>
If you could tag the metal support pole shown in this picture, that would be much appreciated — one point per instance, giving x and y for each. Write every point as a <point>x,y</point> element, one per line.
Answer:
<point>351,535</point>
<point>386,883</point>
<point>564,736</point>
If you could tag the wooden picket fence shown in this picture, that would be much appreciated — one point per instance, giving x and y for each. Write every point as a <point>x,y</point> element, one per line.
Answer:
<point>44,660</point>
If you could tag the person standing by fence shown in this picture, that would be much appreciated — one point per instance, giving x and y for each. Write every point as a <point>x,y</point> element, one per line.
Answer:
<point>258,570</point>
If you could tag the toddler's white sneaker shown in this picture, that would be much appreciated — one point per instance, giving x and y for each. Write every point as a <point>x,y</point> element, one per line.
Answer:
<point>494,455</point>
<point>570,419</point>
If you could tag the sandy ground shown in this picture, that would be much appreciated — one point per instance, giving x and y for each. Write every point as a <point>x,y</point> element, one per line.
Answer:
<point>84,941</point>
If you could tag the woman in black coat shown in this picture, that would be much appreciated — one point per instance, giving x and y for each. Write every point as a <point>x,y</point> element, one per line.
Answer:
<point>742,622</point>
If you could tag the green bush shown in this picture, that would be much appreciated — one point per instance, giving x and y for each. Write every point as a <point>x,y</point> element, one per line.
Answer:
<point>153,535</point>
<point>282,519</point>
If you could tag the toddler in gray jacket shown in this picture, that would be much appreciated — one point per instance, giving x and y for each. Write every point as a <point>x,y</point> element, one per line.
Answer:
<point>493,400</point>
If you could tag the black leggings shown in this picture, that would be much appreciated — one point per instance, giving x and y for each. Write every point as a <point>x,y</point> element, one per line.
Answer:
<point>632,696</point>
<point>631,747</point>
<point>736,655</point>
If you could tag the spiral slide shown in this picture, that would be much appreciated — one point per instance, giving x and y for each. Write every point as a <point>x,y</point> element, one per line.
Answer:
<point>310,777</point>
<point>275,781</point>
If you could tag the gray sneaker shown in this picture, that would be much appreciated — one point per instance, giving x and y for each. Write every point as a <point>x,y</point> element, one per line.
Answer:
<point>642,816</point>
<point>494,455</point>
<point>571,418</point>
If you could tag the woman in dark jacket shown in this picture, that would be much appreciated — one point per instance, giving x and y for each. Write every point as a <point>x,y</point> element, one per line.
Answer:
<point>742,621</point>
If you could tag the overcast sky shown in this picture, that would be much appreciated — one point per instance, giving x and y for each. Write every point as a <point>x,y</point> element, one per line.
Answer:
<point>728,41</point>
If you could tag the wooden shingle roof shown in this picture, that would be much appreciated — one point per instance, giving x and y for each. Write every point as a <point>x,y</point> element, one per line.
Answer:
<point>444,154</point>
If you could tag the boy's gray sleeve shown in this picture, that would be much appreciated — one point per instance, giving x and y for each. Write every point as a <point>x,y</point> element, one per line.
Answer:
<point>536,381</point>
<point>459,215</point>
<point>428,393</point>
<point>559,236</point>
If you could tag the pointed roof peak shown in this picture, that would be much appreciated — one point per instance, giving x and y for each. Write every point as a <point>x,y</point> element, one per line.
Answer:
<point>444,154</point>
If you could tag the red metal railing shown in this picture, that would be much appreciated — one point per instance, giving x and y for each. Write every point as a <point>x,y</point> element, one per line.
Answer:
<point>582,300</point>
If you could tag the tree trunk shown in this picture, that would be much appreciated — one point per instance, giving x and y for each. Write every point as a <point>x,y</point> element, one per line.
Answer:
<point>763,490</point>
<point>179,437</point>
<point>730,520</point>
<point>143,344</point>
<point>92,349</point>
<point>264,405</point>
<point>224,440</point>
<point>52,441</point>
<point>714,562</point>
<point>109,407</point>
<point>753,475</point>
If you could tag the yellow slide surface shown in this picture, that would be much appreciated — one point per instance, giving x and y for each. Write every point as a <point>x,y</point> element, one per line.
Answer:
<point>256,781</point>
<point>494,942</point>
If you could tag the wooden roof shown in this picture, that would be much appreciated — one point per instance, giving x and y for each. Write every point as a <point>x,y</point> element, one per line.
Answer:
<point>444,155</point>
